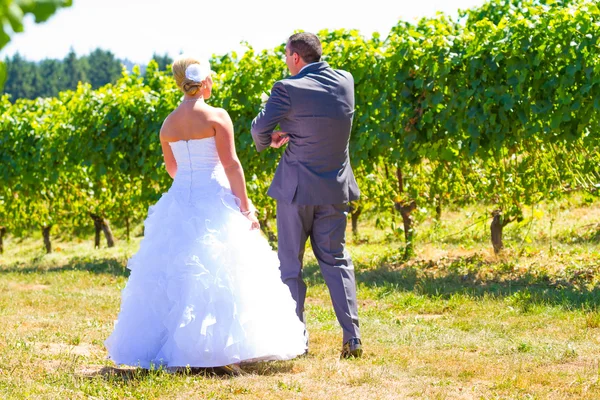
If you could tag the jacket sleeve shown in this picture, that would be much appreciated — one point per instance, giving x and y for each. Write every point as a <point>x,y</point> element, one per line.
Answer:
<point>277,108</point>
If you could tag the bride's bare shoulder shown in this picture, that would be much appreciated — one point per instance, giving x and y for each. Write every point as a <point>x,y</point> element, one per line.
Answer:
<point>167,126</point>
<point>219,115</point>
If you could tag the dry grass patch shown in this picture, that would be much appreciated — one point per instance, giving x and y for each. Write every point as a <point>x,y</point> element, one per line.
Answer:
<point>455,322</point>
<point>26,287</point>
<point>83,350</point>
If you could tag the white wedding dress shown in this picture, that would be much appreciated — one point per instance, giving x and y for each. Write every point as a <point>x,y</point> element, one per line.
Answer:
<point>204,289</point>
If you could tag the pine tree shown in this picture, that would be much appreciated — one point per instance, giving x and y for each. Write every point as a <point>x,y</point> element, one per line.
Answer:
<point>53,78</point>
<point>75,70</point>
<point>163,61</point>
<point>104,68</point>
<point>22,78</point>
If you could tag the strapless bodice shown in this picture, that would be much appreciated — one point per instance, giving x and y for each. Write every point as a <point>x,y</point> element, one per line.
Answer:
<point>199,169</point>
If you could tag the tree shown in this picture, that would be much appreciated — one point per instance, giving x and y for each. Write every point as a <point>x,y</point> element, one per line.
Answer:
<point>163,61</point>
<point>75,70</point>
<point>52,78</point>
<point>22,78</point>
<point>103,68</point>
<point>12,13</point>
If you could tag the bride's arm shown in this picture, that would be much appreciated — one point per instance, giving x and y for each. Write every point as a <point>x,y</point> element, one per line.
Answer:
<point>168,156</point>
<point>233,168</point>
<point>170,162</point>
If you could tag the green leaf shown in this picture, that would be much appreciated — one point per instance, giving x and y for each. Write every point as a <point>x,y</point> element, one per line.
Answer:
<point>42,9</point>
<point>15,17</point>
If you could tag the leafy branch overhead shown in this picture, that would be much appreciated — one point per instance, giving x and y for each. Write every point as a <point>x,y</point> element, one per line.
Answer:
<point>12,13</point>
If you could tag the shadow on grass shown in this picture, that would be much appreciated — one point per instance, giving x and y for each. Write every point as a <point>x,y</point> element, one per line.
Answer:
<point>268,368</point>
<point>591,237</point>
<point>477,279</point>
<point>95,265</point>
<point>126,375</point>
<point>120,374</point>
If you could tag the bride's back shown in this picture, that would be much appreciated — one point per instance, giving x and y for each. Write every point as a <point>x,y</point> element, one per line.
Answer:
<point>189,121</point>
<point>194,120</point>
<point>190,135</point>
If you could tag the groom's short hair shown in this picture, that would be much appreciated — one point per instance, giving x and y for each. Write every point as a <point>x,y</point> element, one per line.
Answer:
<point>307,45</point>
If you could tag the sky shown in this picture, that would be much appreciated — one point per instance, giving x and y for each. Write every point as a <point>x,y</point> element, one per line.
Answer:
<point>136,29</point>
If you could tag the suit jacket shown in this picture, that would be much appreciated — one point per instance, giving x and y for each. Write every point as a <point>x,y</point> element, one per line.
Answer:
<point>315,108</point>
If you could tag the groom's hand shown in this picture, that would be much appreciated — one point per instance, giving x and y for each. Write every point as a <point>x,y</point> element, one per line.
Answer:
<point>278,139</point>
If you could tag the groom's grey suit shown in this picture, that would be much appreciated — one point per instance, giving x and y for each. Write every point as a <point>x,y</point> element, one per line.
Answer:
<point>314,181</point>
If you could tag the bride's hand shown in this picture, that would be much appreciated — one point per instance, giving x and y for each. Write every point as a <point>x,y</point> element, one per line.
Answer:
<point>252,217</point>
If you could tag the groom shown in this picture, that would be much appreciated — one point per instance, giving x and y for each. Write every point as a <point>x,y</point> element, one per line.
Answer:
<point>314,180</point>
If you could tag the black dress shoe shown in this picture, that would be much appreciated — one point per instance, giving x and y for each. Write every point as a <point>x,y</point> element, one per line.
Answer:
<point>352,349</point>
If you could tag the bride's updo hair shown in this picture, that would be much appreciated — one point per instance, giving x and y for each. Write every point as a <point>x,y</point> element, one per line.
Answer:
<point>179,67</point>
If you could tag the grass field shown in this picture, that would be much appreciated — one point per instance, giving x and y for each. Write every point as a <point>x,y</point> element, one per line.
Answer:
<point>454,322</point>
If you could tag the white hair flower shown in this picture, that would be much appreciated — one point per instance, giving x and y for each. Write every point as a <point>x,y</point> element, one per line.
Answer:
<point>198,72</point>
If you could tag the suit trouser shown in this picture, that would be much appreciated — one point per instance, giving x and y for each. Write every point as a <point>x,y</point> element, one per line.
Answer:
<point>326,227</point>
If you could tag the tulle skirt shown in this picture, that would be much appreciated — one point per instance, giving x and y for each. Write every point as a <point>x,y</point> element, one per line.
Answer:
<point>204,291</point>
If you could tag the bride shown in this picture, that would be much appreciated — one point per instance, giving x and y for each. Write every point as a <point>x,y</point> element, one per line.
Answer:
<point>205,287</point>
